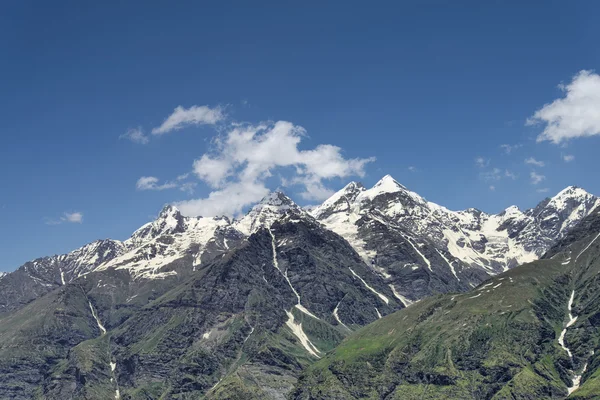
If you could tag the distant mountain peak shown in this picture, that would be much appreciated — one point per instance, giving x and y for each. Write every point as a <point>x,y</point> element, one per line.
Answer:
<point>277,199</point>
<point>268,210</point>
<point>388,182</point>
<point>511,210</point>
<point>169,211</point>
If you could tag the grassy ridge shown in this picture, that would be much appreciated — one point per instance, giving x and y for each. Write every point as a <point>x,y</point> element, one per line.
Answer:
<point>499,341</point>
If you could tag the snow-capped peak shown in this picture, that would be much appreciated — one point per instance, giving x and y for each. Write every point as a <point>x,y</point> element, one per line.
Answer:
<point>268,210</point>
<point>169,211</point>
<point>169,220</point>
<point>570,194</point>
<point>339,201</point>
<point>511,211</point>
<point>276,199</point>
<point>388,184</point>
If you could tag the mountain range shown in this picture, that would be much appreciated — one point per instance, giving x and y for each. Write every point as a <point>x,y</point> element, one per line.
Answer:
<point>194,306</point>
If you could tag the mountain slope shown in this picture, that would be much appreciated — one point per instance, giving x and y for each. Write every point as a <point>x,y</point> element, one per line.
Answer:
<point>529,333</point>
<point>424,249</point>
<point>243,324</point>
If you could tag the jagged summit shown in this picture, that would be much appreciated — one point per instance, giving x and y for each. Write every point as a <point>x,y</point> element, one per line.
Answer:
<point>169,210</point>
<point>268,210</point>
<point>276,199</point>
<point>389,182</point>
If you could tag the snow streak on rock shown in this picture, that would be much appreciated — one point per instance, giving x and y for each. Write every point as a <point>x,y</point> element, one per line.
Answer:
<point>297,330</point>
<point>102,329</point>
<point>295,327</point>
<point>382,297</point>
<point>420,254</point>
<point>449,264</point>
<point>299,306</point>
<point>561,340</point>
<point>337,317</point>
<point>404,300</point>
<point>587,247</point>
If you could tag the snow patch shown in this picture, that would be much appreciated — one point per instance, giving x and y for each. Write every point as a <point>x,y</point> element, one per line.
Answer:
<point>420,254</point>
<point>404,300</point>
<point>297,330</point>
<point>100,326</point>
<point>576,381</point>
<point>337,317</point>
<point>449,264</point>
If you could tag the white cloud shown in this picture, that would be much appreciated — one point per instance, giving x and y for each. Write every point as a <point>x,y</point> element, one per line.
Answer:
<point>509,148</point>
<point>151,183</point>
<point>492,188</point>
<point>543,190</point>
<point>412,168</point>
<point>75,217</point>
<point>533,161</point>
<point>69,217</point>
<point>136,135</point>
<point>568,157</point>
<point>577,114</point>
<point>509,174</point>
<point>228,201</point>
<point>481,162</point>
<point>195,115</point>
<point>212,170</point>
<point>247,155</point>
<point>536,178</point>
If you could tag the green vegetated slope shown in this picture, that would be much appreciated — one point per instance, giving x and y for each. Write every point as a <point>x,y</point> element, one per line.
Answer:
<point>224,333</point>
<point>499,341</point>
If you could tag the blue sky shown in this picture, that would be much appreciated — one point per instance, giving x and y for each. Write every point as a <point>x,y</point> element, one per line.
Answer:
<point>431,90</point>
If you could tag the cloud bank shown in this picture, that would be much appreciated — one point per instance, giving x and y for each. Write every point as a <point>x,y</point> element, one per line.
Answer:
<point>575,115</point>
<point>246,156</point>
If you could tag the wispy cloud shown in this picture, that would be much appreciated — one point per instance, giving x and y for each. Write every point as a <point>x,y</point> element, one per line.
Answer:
<point>496,174</point>
<point>509,148</point>
<point>533,161</point>
<point>195,115</point>
<point>135,135</point>
<point>536,178</point>
<point>568,157</point>
<point>543,190</point>
<point>247,155</point>
<point>412,168</point>
<point>575,115</point>
<point>493,174</point>
<point>151,183</point>
<point>492,188</point>
<point>481,162</point>
<point>67,217</point>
